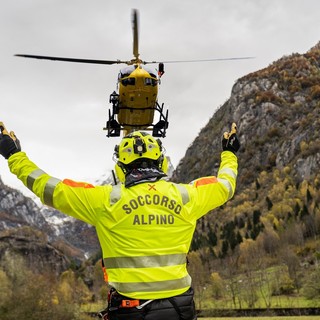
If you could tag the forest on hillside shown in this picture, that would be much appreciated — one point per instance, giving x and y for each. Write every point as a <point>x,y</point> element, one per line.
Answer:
<point>264,243</point>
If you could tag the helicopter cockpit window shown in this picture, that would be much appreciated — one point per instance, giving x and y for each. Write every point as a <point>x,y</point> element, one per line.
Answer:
<point>153,80</point>
<point>128,81</point>
<point>150,82</point>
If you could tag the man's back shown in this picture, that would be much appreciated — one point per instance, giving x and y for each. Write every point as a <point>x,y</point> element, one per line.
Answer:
<point>145,237</point>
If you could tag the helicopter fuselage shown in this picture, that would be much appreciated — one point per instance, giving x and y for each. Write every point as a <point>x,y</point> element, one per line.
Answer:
<point>138,91</point>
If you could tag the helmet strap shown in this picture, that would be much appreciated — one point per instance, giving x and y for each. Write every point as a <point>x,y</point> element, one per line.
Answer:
<point>140,175</point>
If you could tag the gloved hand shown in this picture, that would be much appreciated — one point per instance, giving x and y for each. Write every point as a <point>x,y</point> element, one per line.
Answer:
<point>9,143</point>
<point>230,140</point>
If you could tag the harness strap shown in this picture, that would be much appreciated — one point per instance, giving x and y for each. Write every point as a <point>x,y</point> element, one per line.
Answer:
<point>115,194</point>
<point>176,307</point>
<point>184,193</point>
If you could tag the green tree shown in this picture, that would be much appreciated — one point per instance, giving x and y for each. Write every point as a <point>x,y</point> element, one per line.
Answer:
<point>217,285</point>
<point>311,289</point>
<point>34,296</point>
<point>200,276</point>
<point>73,289</point>
<point>5,288</point>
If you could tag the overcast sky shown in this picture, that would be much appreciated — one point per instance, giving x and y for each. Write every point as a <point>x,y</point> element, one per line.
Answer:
<point>58,109</point>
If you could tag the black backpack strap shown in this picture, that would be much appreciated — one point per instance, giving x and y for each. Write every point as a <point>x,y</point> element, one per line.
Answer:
<point>175,305</point>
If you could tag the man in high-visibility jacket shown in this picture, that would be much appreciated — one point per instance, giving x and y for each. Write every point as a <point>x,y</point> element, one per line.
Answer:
<point>144,224</point>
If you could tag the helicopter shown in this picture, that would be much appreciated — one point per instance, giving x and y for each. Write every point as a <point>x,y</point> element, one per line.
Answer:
<point>134,104</point>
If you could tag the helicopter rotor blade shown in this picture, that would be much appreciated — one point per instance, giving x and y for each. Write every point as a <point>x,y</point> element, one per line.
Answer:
<point>201,60</point>
<point>135,26</point>
<point>91,61</point>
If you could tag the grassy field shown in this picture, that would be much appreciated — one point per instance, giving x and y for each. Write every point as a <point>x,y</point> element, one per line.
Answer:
<point>265,318</point>
<point>275,302</point>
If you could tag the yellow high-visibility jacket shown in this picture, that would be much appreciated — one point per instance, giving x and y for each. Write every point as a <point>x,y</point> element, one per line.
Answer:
<point>144,231</point>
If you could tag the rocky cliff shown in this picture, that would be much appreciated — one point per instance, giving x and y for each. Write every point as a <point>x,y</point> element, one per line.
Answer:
<point>33,246</point>
<point>17,210</point>
<point>277,110</point>
<point>42,235</point>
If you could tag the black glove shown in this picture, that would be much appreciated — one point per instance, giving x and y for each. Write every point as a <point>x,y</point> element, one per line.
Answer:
<point>230,140</point>
<point>9,144</point>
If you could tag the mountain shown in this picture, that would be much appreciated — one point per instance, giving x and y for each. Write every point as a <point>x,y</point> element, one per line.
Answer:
<point>17,211</point>
<point>33,245</point>
<point>277,110</point>
<point>277,113</point>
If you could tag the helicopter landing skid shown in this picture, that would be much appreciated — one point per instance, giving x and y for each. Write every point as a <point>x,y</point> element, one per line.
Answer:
<point>160,128</point>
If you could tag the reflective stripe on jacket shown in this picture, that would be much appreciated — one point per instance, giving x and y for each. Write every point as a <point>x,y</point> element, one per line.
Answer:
<point>145,231</point>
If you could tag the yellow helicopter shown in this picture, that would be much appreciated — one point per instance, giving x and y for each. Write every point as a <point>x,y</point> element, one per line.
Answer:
<point>135,104</point>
